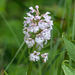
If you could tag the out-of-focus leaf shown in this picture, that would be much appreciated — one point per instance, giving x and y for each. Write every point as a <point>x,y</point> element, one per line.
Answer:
<point>17,70</point>
<point>70,47</point>
<point>68,70</point>
<point>2,5</point>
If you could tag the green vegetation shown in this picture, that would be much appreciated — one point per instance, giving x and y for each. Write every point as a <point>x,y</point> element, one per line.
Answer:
<point>14,57</point>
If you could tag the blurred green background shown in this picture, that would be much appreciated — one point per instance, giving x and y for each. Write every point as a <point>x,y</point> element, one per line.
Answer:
<point>12,14</point>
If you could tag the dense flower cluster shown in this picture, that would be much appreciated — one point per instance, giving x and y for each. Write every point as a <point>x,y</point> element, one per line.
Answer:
<point>37,30</point>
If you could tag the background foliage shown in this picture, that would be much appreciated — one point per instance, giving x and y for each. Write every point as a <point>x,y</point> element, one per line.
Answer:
<point>59,48</point>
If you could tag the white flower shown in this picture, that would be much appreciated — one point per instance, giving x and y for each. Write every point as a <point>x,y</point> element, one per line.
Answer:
<point>30,29</point>
<point>30,42</point>
<point>46,34</point>
<point>37,17</point>
<point>35,29</point>
<point>45,56</point>
<point>26,34</point>
<point>37,12</point>
<point>31,16</point>
<point>36,6</point>
<point>47,17</point>
<point>39,39</point>
<point>28,20</point>
<point>34,56</point>
<point>40,27</point>
<point>43,25</point>
<point>32,24</point>
<point>32,10</point>
<point>51,22</point>
<point>47,13</point>
<point>25,24</point>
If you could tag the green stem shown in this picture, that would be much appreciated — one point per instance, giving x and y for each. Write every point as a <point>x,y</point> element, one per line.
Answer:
<point>40,72</point>
<point>29,50</point>
<point>30,67</point>
<point>5,72</point>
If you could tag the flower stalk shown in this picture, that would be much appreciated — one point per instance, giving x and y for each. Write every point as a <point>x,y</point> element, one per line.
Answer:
<point>37,30</point>
<point>30,67</point>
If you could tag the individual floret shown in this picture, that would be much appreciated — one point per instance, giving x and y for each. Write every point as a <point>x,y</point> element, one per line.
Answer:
<point>30,42</point>
<point>45,56</point>
<point>39,39</point>
<point>34,56</point>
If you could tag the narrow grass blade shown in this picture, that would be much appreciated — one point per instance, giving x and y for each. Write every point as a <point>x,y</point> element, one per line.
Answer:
<point>73,29</point>
<point>10,28</point>
<point>15,55</point>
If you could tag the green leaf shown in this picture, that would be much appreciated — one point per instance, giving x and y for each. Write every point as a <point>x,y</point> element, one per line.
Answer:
<point>70,47</point>
<point>17,70</point>
<point>68,70</point>
<point>5,72</point>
